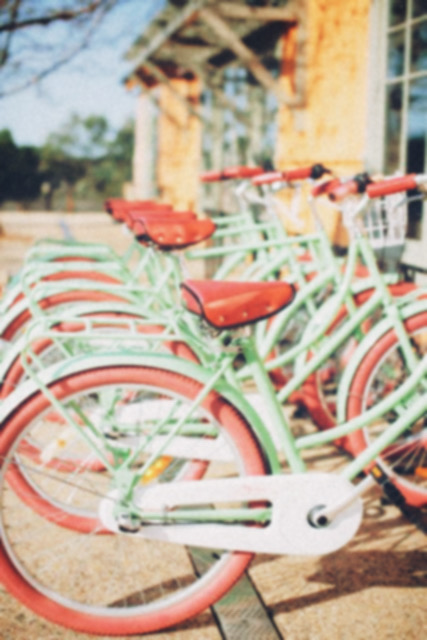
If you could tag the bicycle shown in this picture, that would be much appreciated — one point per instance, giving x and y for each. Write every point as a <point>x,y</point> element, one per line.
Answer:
<point>311,393</point>
<point>13,371</point>
<point>349,297</point>
<point>219,483</point>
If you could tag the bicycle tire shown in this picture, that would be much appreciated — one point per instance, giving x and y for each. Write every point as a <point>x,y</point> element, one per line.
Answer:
<point>321,408</point>
<point>71,463</point>
<point>59,595</point>
<point>13,329</point>
<point>373,378</point>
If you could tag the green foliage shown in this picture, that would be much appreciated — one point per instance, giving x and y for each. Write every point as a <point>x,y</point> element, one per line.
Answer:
<point>88,152</point>
<point>113,169</point>
<point>87,158</point>
<point>20,178</point>
<point>59,167</point>
<point>82,137</point>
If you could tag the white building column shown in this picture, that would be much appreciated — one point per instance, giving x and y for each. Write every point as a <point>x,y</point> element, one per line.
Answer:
<point>143,184</point>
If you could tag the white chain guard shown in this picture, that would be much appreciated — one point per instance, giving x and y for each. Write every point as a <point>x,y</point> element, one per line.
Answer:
<point>292,498</point>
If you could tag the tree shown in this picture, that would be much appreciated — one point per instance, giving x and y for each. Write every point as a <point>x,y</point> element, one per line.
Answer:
<point>90,153</point>
<point>87,155</point>
<point>20,178</point>
<point>69,153</point>
<point>59,168</point>
<point>111,171</point>
<point>28,53</point>
<point>38,37</point>
<point>83,137</point>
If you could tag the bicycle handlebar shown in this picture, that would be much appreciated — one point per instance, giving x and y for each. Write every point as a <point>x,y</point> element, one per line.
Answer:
<point>363,184</point>
<point>343,190</point>
<point>392,185</point>
<point>359,184</point>
<point>315,172</point>
<point>324,188</point>
<point>268,178</point>
<point>231,173</point>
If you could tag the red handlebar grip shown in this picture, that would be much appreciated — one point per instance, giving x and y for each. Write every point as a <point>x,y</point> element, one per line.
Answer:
<point>392,185</point>
<point>242,172</point>
<point>268,178</point>
<point>297,174</point>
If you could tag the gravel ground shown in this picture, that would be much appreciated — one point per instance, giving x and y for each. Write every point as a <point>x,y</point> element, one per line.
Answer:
<point>373,589</point>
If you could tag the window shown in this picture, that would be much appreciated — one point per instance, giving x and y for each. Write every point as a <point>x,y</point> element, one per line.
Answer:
<point>405,147</point>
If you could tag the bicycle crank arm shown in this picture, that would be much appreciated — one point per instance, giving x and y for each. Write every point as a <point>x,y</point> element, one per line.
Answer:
<point>292,499</point>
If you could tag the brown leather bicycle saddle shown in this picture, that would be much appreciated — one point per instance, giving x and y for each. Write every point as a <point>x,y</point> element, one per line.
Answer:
<point>121,209</point>
<point>136,219</point>
<point>232,304</point>
<point>172,231</point>
<point>124,215</point>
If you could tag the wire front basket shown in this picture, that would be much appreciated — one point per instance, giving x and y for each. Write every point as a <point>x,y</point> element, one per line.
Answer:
<point>383,221</point>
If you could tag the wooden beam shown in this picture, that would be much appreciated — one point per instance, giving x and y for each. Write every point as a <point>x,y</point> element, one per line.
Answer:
<point>186,50</point>
<point>263,14</point>
<point>246,56</point>
<point>181,17</point>
<point>162,77</point>
<point>206,73</point>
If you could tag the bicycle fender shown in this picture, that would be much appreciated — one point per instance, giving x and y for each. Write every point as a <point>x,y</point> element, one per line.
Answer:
<point>83,363</point>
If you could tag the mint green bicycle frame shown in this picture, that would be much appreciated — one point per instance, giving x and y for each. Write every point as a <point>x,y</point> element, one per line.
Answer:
<point>181,326</point>
<point>215,378</point>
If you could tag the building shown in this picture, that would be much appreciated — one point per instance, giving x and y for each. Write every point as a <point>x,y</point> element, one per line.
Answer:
<point>290,83</point>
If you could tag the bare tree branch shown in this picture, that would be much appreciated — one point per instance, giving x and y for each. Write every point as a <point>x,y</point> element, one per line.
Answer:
<point>4,53</point>
<point>56,16</point>
<point>19,68</point>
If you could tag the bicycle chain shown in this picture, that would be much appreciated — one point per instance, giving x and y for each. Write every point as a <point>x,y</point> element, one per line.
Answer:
<point>395,496</point>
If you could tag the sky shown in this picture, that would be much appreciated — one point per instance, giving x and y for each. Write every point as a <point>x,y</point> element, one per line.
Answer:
<point>90,85</point>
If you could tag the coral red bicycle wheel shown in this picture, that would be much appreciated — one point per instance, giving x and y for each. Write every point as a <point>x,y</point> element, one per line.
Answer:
<point>114,584</point>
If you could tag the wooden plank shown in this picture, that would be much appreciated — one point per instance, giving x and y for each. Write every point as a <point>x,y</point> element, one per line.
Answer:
<point>240,614</point>
<point>181,17</point>
<point>263,14</point>
<point>162,77</point>
<point>247,57</point>
<point>185,51</point>
<point>207,74</point>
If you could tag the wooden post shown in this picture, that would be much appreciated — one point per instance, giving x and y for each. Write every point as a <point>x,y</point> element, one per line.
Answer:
<point>162,77</point>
